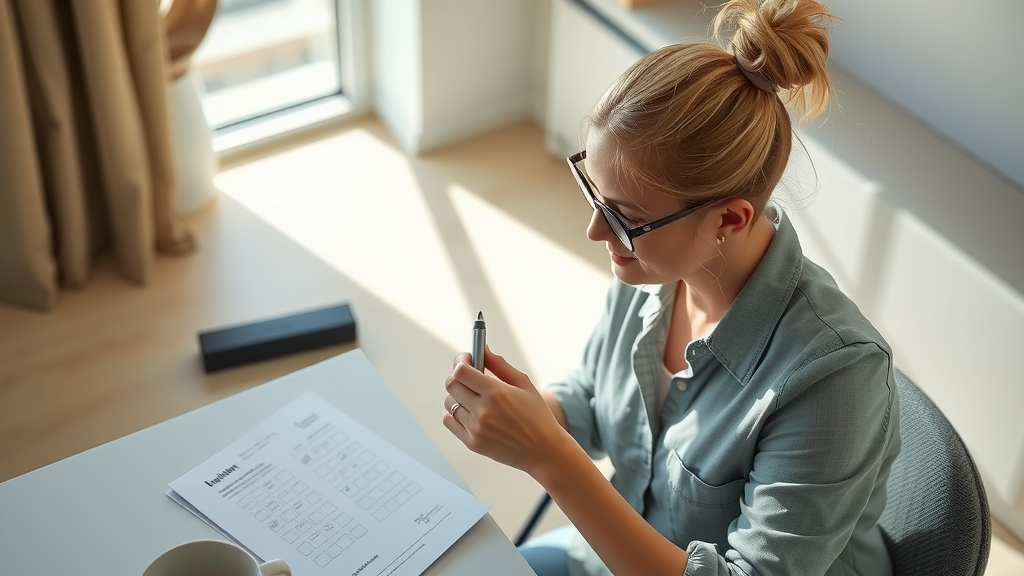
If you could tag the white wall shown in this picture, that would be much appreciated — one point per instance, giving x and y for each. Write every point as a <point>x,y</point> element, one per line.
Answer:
<point>476,66</point>
<point>397,72</point>
<point>953,65</point>
<point>448,69</point>
<point>584,60</point>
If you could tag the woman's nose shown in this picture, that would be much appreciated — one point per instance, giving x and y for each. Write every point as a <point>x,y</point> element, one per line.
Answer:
<point>598,229</point>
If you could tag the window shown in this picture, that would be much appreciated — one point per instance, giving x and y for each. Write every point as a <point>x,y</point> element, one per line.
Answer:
<point>271,66</point>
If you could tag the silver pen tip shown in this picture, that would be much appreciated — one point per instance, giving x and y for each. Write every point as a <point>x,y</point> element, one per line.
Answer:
<point>480,315</point>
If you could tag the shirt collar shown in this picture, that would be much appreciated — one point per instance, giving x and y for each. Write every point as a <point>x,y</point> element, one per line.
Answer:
<point>658,299</point>
<point>741,337</point>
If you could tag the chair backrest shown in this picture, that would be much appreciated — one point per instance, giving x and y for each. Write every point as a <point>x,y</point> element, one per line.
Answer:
<point>936,520</point>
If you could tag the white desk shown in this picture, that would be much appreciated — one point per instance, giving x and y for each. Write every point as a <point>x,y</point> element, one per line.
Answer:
<point>104,511</point>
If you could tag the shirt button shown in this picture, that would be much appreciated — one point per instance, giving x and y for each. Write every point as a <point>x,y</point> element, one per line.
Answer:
<point>681,386</point>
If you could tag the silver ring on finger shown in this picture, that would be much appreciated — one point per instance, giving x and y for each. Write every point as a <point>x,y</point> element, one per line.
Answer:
<point>454,407</point>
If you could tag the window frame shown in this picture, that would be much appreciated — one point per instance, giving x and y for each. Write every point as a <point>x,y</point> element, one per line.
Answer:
<point>351,99</point>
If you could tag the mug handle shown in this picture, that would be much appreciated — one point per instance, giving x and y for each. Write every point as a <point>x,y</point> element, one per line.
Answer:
<point>276,567</point>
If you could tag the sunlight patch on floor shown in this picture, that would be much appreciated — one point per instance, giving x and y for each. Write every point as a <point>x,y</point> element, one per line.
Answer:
<point>354,201</point>
<point>551,297</point>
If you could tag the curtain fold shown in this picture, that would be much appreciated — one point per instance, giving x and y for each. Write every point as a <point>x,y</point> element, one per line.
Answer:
<point>150,62</point>
<point>85,153</point>
<point>47,75</point>
<point>27,272</point>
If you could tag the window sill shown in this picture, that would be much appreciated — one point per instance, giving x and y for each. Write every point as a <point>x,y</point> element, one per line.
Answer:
<point>273,131</point>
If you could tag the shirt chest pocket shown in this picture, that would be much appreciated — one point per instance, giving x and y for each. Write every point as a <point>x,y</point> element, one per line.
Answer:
<point>700,511</point>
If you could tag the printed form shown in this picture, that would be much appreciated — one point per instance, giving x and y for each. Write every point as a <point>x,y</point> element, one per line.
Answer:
<point>313,487</point>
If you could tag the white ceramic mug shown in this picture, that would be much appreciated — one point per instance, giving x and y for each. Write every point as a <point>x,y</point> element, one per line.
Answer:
<point>213,558</point>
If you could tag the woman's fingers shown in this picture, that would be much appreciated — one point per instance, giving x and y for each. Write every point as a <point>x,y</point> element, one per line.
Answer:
<point>456,409</point>
<point>449,402</point>
<point>453,383</point>
<point>459,392</point>
<point>473,379</point>
<point>499,414</point>
<point>456,428</point>
<point>505,371</point>
<point>463,357</point>
<point>502,373</point>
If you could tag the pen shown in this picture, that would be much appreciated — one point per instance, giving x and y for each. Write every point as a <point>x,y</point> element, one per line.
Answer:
<point>479,341</point>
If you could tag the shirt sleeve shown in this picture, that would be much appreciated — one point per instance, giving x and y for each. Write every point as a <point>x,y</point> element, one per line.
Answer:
<point>820,468</point>
<point>576,392</point>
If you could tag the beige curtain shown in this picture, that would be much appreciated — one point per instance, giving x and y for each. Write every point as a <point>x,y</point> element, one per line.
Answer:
<point>85,152</point>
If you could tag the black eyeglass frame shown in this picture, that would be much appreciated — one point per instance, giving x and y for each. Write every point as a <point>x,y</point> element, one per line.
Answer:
<point>625,234</point>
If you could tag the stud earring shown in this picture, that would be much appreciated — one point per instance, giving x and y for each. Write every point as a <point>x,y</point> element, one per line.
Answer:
<point>721,238</point>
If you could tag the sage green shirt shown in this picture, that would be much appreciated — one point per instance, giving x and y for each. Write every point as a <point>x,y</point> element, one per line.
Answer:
<point>771,452</point>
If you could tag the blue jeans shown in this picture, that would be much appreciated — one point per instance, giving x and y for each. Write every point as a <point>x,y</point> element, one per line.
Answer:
<point>547,554</point>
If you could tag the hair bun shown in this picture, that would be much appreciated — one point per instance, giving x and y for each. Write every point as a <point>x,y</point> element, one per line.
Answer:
<point>784,42</point>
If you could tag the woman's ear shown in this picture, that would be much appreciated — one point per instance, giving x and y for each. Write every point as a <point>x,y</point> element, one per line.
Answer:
<point>734,216</point>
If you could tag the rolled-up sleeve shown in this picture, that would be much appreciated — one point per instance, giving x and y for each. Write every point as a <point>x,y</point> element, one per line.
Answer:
<point>576,395</point>
<point>821,457</point>
<point>704,560</point>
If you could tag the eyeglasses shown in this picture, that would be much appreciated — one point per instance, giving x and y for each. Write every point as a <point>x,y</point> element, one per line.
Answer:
<point>616,222</point>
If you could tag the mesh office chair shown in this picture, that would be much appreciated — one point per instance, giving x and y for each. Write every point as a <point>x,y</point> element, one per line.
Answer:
<point>936,520</point>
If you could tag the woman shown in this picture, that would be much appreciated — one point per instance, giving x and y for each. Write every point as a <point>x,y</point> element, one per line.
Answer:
<point>748,408</point>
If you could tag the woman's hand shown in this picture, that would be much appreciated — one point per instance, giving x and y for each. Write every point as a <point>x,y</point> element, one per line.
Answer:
<point>502,415</point>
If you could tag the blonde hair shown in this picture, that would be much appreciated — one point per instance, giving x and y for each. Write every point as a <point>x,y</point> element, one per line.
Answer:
<point>690,124</point>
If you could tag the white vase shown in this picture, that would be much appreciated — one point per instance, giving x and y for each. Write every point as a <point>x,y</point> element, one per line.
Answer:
<point>195,162</point>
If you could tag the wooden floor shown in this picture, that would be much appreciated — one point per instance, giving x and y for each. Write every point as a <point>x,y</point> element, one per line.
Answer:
<point>416,246</point>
